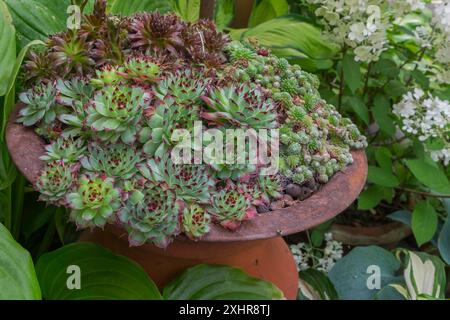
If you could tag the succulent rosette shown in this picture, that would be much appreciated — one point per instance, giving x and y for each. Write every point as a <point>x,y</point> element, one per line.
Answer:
<point>115,113</point>
<point>94,202</point>
<point>56,180</point>
<point>114,100</point>
<point>196,221</point>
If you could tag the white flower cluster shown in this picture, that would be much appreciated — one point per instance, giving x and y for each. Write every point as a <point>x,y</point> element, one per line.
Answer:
<point>359,24</point>
<point>403,7</point>
<point>441,15</point>
<point>307,256</point>
<point>441,40</point>
<point>362,24</point>
<point>426,117</point>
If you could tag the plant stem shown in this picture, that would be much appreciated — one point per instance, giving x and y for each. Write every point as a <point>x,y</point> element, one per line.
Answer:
<point>366,82</point>
<point>423,193</point>
<point>341,79</point>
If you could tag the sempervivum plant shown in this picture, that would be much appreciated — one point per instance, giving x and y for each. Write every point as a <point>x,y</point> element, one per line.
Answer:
<point>56,179</point>
<point>154,217</point>
<point>115,113</point>
<point>94,202</point>
<point>121,100</point>
<point>40,105</point>
<point>116,160</point>
<point>231,206</point>
<point>241,106</point>
<point>65,149</point>
<point>196,221</point>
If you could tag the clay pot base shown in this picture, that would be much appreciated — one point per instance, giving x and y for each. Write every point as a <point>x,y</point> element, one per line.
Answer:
<point>269,259</point>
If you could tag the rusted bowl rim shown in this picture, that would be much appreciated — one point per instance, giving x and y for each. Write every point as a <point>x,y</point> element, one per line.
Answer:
<point>25,147</point>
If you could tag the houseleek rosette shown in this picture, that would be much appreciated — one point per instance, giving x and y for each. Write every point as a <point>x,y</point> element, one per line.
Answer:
<point>94,202</point>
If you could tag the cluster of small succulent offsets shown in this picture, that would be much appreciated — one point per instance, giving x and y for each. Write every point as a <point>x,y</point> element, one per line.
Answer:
<point>107,98</point>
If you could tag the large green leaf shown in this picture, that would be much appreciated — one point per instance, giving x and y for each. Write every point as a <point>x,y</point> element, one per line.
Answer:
<point>8,171</point>
<point>129,7</point>
<point>188,10</point>
<point>424,222</point>
<point>371,197</point>
<point>266,10</point>
<point>382,113</point>
<point>350,275</point>
<point>352,73</point>
<point>17,276</point>
<point>430,175</point>
<point>104,275</point>
<point>35,20</point>
<point>224,13</point>
<point>10,93</point>
<point>215,282</point>
<point>382,177</point>
<point>7,47</point>
<point>356,104</point>
<point>291,37</point>
<point>315,285</point>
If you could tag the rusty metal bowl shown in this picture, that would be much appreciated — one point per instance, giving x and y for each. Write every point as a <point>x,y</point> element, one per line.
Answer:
<point>25,147</point>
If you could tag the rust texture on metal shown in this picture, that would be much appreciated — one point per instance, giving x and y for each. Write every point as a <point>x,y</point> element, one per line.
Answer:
<point>334,197</point>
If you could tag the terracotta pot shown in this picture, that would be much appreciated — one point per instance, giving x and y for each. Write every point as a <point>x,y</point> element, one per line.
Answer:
<point>386,234</point>
<point>267,258</point>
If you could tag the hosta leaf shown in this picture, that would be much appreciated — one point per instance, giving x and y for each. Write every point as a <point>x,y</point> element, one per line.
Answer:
<point>266,10</point>
<point>129,7</point>
<point>444,241</point>
<point>430,175</point>
<point>315,285</point>
<point>382,177</point>
<point>292,32</point>
<point>424,222</point>
<point>7,47</point>
<point>402,216</point>
<point>424,275</point>
<point>35,20</point>
<point>17,276</point>
<point>188,10</point>
<point>215,282</point>
<point>10,93</point>
<point>104,275</point>
<point>224,13</point>
<point>352,274</point>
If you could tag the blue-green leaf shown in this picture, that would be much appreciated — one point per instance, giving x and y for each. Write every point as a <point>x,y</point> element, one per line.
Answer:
<point>444,241</point>
<point>350,275</point>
